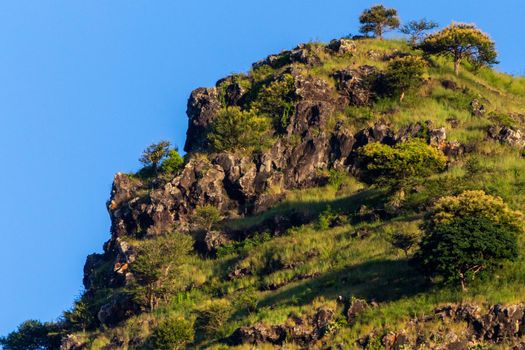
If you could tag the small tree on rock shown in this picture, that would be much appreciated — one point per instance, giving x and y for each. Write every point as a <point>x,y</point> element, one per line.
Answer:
<point>461,42</point>
<point>378,20</point>
<point>416,30</point>
<point>466,235</point>
<point>154,154</point>
<point>206,217</point>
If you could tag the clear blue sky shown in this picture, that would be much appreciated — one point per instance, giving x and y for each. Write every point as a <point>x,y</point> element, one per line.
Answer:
<point>86,85</point>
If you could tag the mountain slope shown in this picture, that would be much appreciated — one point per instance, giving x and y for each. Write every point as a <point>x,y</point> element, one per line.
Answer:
<point>290,239</point>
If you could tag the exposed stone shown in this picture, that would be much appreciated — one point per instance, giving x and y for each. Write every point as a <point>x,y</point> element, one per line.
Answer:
<point>202,108</point>
<point>509,136</point>
<point>477,108</point>
<point>119,308</point>
<point>342,46</point>
<point>357,84</point>
<point>357,307</point>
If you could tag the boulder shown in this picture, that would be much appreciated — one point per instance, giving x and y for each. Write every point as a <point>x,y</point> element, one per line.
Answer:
<point>357,307</point>
<point>357,84</point>
<point>342,46</point>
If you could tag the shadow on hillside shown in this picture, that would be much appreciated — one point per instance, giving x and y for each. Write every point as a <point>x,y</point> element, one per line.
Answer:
<point>295,213</point>
<point>378,280</point>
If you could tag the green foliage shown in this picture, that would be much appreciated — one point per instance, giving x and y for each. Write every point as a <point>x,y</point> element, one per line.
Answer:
<point>173,162</point>
<point>158,269</point>
<point>212,317</point>
<point>206,217</point>
<point>461,41</point>
<point>394,165</point>
<point>404,74</point>
<point>277,101</point>
<point>82,316</point>
<point>377,20</point>
<point>416,29</point>
<point>234,129</point>
<point>243,246</point>
<point>154,153</point>
<point>403,235</point>
<point>172,333</point>
<point>33,335</point>
<point>468,234</point>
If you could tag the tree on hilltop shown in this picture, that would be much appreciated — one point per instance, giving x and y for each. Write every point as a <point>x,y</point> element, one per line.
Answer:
<point>416,29</point>
<point>461,42</point>
<point>378,20</point>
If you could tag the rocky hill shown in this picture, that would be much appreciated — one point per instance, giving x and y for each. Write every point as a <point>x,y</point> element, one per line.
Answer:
<point>286,242</point>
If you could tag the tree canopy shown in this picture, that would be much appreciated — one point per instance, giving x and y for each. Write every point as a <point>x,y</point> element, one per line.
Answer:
<point>461,42</point>
<point>416,29</point>
<point>377,20</point>
<point>468,234</point>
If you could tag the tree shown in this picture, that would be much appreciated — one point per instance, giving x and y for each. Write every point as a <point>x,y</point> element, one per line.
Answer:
<point>158,269</point>
<point>461,42</point>
<point>206,217</point>
<point>404,74</point>
<point>154,153</point>
<point>395,165</point>
<point>403,235</point>
<point>416,29</point>
<point>233,129</point>
<point>33,335</point>
<point>378,19</point>
<point>466,235</point>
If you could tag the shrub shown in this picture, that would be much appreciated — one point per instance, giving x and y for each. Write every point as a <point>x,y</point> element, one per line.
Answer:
<point>461,41</point>
<point>206,217</point>
<point>233,129</point>
<point>377,20</point>
<point>277,101</point>
<point>212,317</point>
<point>468,234</point>
<point>172,334</point>
<point>157,269</point>
<point>395,165</point>
<point>404,74</point>
<point>173,162</point>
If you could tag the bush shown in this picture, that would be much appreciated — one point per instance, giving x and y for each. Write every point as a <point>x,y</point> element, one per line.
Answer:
<point>157,269</point>
<point>404,74</point>
<point>403,235</point>
<point>395,165</point>
<point>233,129</point>
<point>173,162</point>
<point>206,217</point>
<point>277,101</point>
<point>211,318</point>
<point>468,234</point>
<point>172,334</point>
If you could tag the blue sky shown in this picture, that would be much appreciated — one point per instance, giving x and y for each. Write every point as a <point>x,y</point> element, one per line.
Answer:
<point>86,85</point>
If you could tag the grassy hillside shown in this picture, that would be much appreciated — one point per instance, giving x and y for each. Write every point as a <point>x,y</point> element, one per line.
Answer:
<point>342,249</point>
<point>313,264</point>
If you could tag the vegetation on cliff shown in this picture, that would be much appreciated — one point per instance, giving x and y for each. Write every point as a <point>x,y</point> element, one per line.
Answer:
<point>337,195</point>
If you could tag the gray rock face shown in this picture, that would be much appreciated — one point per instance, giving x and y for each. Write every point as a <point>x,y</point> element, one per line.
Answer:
<point>356,84</point>
<point>203,105</point>
<point>509,136</point>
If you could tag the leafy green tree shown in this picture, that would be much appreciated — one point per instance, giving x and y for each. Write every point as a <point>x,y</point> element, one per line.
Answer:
<point>377,20</point>
<point>172,334</point>
<point>154,153</point>
<point>234,129</point>
<point>404,74</point>
<point>416,29</point>
<point>468,234</point>
<point>396,165</point>
<point>461,42</point>
<point>33,335</point>
<point>212,317</point>
<point>206,217</point>
<point>159,269</point>
<point>404,236</point>
<point>173,162</point>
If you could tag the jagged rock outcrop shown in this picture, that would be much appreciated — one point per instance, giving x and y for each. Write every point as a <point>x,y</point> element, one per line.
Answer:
<point>506,135</point>
<point>301,330</point>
